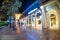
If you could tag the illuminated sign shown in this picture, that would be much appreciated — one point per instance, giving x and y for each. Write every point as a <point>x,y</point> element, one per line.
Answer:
<point>32,11</point>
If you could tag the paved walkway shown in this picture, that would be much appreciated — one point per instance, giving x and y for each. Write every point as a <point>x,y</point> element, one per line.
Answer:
<point>27,34</point>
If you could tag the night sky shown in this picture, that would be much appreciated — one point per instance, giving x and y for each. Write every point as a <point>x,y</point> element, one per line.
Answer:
<point>1,1</point>
<point>25,4</point>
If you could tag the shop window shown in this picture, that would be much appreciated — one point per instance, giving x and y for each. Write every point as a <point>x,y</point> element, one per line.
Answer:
<point>39,21</point>
<point>53,19</point>
<point>38,15</point>
<point>33,18</point>
<point>29,21</point>
<point>33,15</point>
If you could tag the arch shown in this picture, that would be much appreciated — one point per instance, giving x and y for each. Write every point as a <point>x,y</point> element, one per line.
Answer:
<point>53,18</point>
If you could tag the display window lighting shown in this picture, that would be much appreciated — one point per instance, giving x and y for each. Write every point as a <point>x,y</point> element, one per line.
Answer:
<point>41,7</point>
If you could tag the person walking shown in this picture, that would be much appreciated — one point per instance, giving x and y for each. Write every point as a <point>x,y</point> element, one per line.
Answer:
<point>14,25</point>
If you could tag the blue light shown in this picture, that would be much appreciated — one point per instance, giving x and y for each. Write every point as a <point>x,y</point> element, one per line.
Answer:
<point>32,11</point>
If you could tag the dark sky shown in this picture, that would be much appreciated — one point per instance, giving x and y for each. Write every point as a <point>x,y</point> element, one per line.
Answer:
<point>1,1</point>
<point>25,4</point>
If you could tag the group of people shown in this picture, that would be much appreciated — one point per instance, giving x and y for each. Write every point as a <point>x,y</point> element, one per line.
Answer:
<point>12,24</point>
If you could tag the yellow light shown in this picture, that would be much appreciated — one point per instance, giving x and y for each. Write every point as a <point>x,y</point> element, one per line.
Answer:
<point>17,16</point>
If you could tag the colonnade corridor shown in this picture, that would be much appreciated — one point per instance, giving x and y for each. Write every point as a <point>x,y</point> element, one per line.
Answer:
<point>28,34</point>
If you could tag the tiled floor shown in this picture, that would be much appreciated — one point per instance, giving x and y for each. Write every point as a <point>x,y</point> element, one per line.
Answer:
<point>27,34</point>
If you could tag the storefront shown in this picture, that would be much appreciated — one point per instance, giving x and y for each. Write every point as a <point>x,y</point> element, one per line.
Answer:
<point>51,15</point>
<point>23,23</point>
<point>35,19</point>
<point>48,18</point>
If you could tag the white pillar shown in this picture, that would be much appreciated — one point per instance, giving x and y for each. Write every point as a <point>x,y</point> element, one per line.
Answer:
<point>43,17</point>
<point>28,21</point>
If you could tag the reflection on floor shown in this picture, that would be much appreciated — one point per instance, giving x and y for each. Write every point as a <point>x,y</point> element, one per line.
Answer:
<point>28,34</point>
